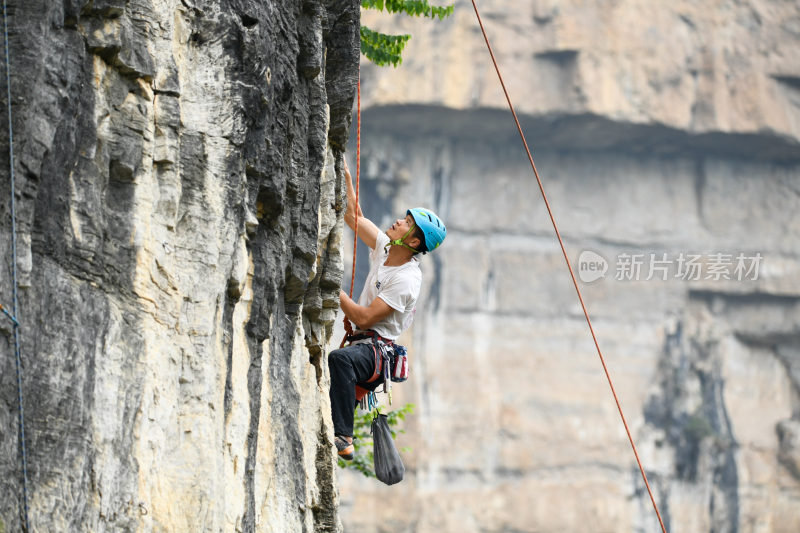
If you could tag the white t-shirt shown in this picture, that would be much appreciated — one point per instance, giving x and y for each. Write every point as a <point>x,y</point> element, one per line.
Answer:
<point>398,286</point>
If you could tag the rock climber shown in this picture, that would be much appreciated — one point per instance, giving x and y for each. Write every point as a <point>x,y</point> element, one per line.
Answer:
<point>385,307</point>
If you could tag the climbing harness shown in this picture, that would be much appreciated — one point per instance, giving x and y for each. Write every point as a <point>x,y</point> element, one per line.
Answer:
<point>572,274</point>
<point>390,362</point>
<point>14,314</point>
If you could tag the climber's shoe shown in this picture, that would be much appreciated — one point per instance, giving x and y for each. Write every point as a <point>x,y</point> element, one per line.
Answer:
<point>345,449</point>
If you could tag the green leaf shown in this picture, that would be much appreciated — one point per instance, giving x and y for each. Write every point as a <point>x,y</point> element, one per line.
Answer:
<point>382,49</point>
<point>414,8</point>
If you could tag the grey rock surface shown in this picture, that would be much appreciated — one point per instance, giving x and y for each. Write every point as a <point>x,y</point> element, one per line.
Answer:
<point>178,224</point>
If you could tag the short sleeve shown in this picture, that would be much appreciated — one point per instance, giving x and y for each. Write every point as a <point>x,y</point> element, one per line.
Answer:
<point>400,290</point>
<point>379,251</point>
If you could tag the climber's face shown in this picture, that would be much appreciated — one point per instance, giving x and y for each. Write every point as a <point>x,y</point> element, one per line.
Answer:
<point>400,227</point>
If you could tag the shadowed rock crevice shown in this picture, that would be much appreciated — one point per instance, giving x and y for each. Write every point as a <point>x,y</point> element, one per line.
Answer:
<point>792,82</point>
<point>254,388</point>
<point>325,517</point>
<point>690,411</point>
<point>560,130</point>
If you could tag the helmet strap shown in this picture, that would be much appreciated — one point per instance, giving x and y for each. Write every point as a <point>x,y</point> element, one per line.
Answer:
<point>400,241</point>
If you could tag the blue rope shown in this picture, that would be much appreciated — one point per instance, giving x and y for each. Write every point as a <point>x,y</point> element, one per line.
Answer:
<point>11,317</point>
<point>23,453</point>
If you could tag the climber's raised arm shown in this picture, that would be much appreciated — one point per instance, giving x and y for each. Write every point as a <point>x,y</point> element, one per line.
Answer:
<point>367,230</point>
<point>364,317</point>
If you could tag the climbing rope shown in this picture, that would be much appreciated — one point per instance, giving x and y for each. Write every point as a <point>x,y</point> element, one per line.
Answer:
<point>15,312</point>
<point>348,327</point>
<point>571,273</point>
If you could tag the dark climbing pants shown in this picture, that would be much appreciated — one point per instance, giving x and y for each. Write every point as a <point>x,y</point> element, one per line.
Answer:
<point>349,367</point>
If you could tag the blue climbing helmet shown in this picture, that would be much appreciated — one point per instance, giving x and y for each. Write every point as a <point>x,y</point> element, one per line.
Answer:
<point>431,225</point>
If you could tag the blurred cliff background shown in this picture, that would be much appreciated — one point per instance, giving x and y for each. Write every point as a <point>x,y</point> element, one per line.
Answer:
<point>667,135</point>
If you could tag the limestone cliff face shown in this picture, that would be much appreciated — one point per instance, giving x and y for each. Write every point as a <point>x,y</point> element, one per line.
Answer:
<point>685,66</point>
<point>178,219</point>
<point>661,130</point>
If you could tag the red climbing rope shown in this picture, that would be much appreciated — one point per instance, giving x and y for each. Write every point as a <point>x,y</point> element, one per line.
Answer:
<point>571,273</point>
<point>347,326</point>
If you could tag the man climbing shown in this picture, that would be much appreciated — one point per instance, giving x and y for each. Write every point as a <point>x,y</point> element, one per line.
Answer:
<point>384,309</point>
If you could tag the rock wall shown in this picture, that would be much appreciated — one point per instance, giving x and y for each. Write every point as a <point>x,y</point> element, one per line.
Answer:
<point>178,224</point>
<point>663,129</point>
<point>727,67</point>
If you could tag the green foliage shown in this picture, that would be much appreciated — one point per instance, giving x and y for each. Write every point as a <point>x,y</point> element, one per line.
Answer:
<point>363,460</point>
<point>415,8</point>
<point>698,427</point>
<point>384,49</point>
